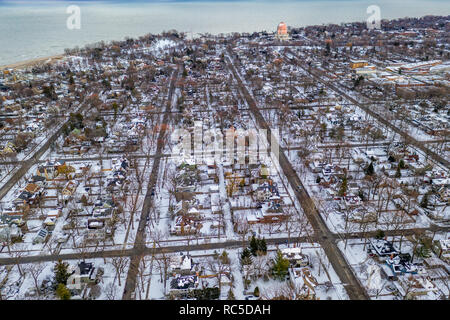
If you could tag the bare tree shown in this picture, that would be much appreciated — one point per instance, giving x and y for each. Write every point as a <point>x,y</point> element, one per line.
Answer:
<point>16,253</point>
<point>53,246</point>
<point>349,226</point>
<point>35,269</point>
<point>219,265</point>
<point>111,291</point>
<point>261,265</point>
<point>119,264</point>
<point>143,266</point>
<point>242,227</point>
<point>286,291</point>
<point>304,227</point>
<point>163,262</point>
<point>82,249</point>
<point>397,222</point>
<point>4,280</point>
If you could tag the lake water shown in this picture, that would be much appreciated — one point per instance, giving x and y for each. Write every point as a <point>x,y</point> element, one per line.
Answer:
<point>31,29</point>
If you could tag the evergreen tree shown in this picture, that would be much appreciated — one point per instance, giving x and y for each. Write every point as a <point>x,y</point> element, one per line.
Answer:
<point>256,292</point>
<point>84,200</point>
<point>262,246</point>
<point>327,49</point>
<point>62,292</point>
<point>358,81</point>
<point>340,134</point>
<point>423,251</point>
<point>224,257</point>
<point>401,164</point>
<point>398,173</point>
<point>116,109</point>
<point>258,246</point>
<point>424,202</point>
<point>380,234</point>
<point>361,195</point>
<point>280,267</point>
<point>370,170</point>
<point>61,273</point>
<point>106,84</point>
<point>343,188</point>
<point>231,295</point>
<point>47,91</point>
<point>66,129</point>
<point>253,246</point>
<point>332,133</point>
<point>246,257</point>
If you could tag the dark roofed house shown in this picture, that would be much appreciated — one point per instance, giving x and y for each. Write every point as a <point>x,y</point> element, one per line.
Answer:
<point>184,282</point>
<point>23,196</point>
<point>86,268</point>
<point>11,213</point>
<point>382,248</point>
<point>124,164</point>
<point>39,180</point>
<point>84,273</point>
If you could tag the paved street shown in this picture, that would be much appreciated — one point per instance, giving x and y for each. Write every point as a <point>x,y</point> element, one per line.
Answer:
<point>197,247</point>
<point>139,246</point>
<point>324,236</point>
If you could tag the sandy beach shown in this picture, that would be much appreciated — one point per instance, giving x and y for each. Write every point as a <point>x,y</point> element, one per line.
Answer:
<point>31,62</point>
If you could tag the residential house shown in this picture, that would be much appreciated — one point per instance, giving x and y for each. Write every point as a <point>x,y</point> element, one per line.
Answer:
<point>267,191</point>
<point>419,287</point>
<point>49,169</point>
<point>38,180</point>
<point>9,232</point>
<point>185,225</point>
<point>354,64</point>
<point>84,273</point>
<point>295,256</point>
<point>12,213</point>
<point>180,285</point>
<point>41,236</point>
<point>401,264</point>
<point>442,249</point>
<point>381,248</point>
<point>182,264</point>
<point>69,189</point>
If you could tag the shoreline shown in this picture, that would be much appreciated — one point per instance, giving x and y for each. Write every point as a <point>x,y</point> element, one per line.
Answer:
<point>31,62</point>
